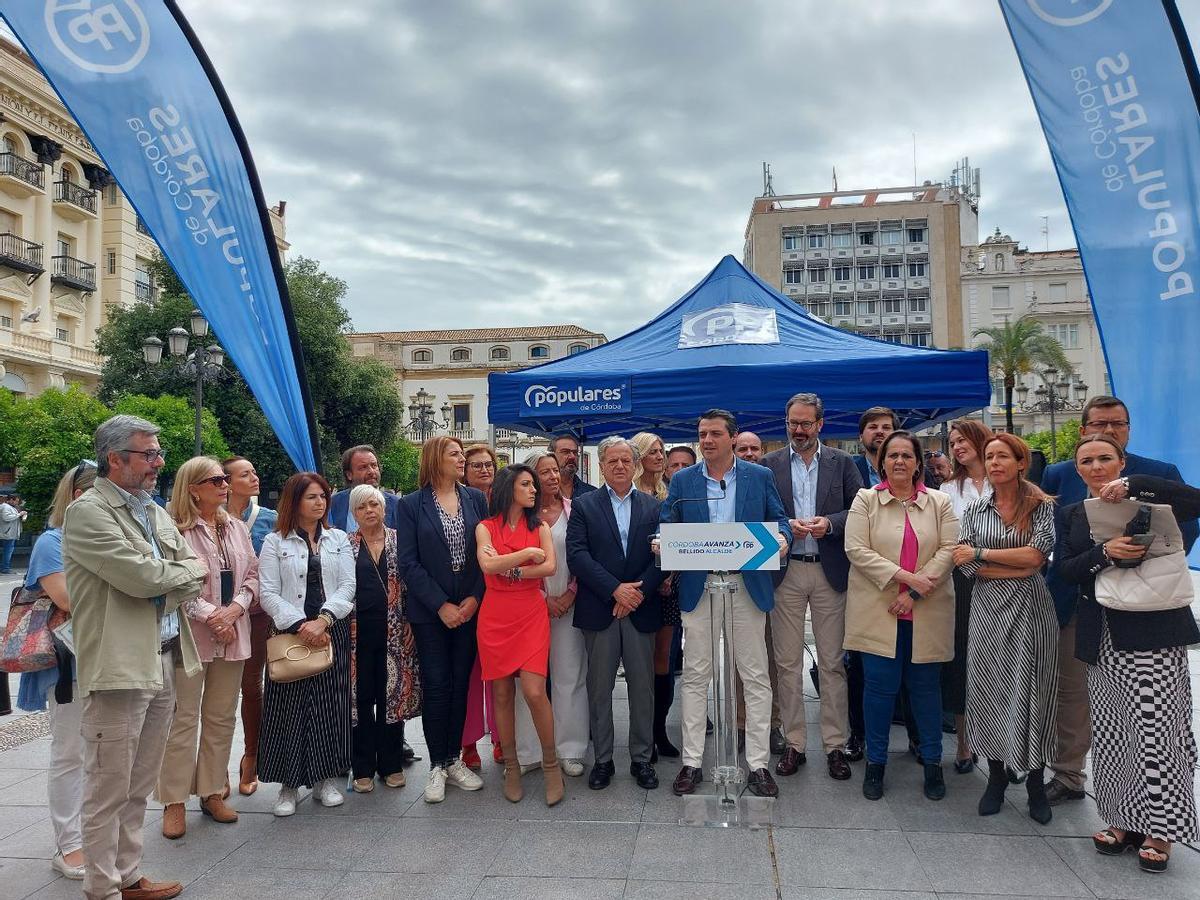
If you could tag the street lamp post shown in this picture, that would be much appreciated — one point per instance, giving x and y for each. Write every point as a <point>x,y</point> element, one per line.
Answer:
<point>1053,395</point>
<point>202,363</point>
<point>422,422</point>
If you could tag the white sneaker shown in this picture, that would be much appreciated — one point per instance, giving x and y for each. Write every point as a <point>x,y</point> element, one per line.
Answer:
<point>286,804</point>
<point>60,865</point>
<point>327,793</point>
<point>462,777</point>
<point>435,788</point>
<point>572,767</point>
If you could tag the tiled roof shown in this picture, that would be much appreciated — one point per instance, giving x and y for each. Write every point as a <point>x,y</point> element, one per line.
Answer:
<point>467,335</point>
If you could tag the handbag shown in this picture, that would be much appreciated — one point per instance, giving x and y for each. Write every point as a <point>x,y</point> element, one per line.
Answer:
<point>1159,583</point>
<point>290,659</point>
<point>28,644</point>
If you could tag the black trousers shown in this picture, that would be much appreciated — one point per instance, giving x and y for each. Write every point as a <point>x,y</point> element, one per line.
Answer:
<point>447,656</point>
<point>376,745</point>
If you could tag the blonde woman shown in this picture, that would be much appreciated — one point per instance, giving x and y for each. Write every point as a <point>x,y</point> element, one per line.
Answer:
<point>206,704</point>
<point>64,781</point>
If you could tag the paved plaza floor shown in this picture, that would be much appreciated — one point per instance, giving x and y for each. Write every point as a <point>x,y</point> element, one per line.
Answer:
<point>826,841</point>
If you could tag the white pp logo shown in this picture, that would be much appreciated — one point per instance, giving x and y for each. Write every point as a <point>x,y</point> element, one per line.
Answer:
<point>107,37</point>
<point>1067,13</point>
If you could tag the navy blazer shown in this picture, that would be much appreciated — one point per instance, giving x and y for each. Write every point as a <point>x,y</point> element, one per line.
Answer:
<point>756,499</point>
<point>1062,482</point>
<point>579,487</point>
<point>339,509</point>
<point>424,555</point>
<point>599,562</point>
<point>838,483</point>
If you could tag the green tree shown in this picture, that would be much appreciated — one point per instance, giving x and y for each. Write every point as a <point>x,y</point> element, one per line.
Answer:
<point>355,400</point>
<point>1014,348</point>
<point>1062,445</point>
<point>399,463</point>
<point>177,419</point>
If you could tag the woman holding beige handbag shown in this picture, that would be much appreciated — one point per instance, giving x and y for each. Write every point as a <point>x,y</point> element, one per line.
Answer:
<point>306,573</point>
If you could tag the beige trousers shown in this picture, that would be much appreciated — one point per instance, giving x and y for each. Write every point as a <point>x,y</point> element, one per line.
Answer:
<point>205,704</point>
<point>773,671</point>
<point>1073,728</point>
<point>124,735</point>
<point>805,589</point>
<point>747,623</point>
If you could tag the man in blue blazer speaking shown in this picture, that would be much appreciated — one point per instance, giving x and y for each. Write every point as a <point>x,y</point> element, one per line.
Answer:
<point>723,488</point>
<point>1101,415</point>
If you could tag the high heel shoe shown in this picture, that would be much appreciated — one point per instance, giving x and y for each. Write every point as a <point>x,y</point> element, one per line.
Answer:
<point>248,775</point>
<point>966,766</point>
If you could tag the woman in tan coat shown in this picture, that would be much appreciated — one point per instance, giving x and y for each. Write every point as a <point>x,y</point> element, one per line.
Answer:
<point>899,605</point>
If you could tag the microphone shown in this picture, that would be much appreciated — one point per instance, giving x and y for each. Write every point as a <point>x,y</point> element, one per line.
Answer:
<point>705,499</point>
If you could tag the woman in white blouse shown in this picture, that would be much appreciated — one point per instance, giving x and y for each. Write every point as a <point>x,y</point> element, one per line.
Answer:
<point>966,484</point>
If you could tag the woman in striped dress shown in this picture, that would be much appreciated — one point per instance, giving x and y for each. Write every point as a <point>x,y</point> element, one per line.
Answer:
<point>307,583</point>
<point>1012,650</point>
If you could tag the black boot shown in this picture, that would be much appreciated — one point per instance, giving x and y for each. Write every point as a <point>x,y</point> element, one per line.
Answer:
<point>873,781</point>
<point>663,694</point>
<point>993,794</point>
<point>1039,805</point>
<point>935,783</point>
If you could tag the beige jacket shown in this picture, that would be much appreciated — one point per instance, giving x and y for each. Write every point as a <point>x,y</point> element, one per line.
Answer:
<point>874,531</point>
<point>112,576</point>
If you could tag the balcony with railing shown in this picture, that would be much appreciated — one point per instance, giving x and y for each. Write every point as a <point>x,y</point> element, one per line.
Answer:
<point>21,176</point>
<point>74,201</point>
<point>143,290</point>
<point>73,273</point>
<point>20,254</point>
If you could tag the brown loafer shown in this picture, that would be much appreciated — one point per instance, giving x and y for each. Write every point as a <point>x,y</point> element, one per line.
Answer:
<point>762,784</point>
<point>218,810</point>
<point>395,780</point>
<point>790,762</point>
<point>145,889</point>
<point>686,781</point>
<point>839,766</point>
<point>363,785</point>
<point>174,824</point>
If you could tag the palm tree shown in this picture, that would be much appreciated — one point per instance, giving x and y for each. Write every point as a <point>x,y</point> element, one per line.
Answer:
<point>1014,348</point>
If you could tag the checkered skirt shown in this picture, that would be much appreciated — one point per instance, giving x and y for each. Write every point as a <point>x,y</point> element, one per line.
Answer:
<point>1143,749</point>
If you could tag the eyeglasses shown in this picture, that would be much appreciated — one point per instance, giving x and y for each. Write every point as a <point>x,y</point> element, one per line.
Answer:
<point>802,426</point>
<point>934,454</point>
<point>150,456</point>
<point>1110,425</point>
<point>215,480</point>
<point>481,466</point>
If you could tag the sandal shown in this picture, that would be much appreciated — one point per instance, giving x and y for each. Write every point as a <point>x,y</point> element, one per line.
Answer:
<point>1107,843</point>
<point>1153,865</point>
<point>964,766</point>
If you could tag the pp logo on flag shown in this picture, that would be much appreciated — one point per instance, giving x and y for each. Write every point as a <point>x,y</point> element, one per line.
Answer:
<point>1067,13</point>
<point>107,37</point>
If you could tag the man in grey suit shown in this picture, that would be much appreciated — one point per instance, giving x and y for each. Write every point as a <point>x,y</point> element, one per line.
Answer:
<point>817,484</point>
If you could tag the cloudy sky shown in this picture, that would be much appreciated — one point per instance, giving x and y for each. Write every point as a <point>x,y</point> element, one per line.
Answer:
<point>513,162</point>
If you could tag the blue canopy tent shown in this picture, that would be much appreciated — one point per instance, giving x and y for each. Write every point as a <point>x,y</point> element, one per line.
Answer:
<point>736,343</point>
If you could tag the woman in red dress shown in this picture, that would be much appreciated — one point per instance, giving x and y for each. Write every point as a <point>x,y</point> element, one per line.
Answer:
<point>516,552</point>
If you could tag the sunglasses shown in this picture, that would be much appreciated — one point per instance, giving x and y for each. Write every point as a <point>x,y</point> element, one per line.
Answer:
<point>215,480</point>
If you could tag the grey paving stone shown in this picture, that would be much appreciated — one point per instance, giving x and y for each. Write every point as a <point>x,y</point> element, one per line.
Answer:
<point>958,812</point>
<point>1118,877</point>
<point>21,877</point>
<point>62,889</point>
<point>30,791</point>
<point>12,776</point>
<point>1076,818</point>
<point>681,853</point>
<point>570,849</point>
<point>810,893</point>
<point>300,842</point>
<point>264,884</point>
<point>206,845</point>
<point>34,755</point>
<point>35,841</point>
<point>999,864</point>
<point>428,846</point>
<point>836,858</point>
<point>505,888</point>
<point>684,890</point>
<point>381,886</point>
<point>811,799</point>
<point>15,818</point>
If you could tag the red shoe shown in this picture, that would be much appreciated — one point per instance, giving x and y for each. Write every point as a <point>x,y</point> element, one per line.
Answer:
<point>497,754</point>
<point>470,757</point>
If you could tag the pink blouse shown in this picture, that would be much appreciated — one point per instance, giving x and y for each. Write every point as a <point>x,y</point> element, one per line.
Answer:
<point>239,553</point>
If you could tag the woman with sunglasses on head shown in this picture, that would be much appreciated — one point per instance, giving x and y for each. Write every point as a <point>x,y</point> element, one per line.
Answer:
<point>55,686</point>
<point>1143,748</point>
<point>206,703</point>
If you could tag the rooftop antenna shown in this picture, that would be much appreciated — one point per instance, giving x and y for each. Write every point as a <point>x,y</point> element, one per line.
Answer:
<point>768,188</point>
<point>1046,231</point>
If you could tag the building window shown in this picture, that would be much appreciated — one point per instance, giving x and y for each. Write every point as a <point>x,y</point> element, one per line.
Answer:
<point>916,235</point>
<point>892,307</point>
<point>61,334</point>
<point>499,353</point>
<point>866,273</point>
<point>112,262</point>
<point>891,270</point>
<point>816,241</point>
<point>576,348</point>
<point>422,356</point>
<point>891,237</point>
<point>842,239</point>
<point>142,287</point>
<point>1058,293</point>
<point>539,351</point>
<point>841,273</point>
<point>843,308</point>
<point>1067,335</point>
<point>111,197</point>
<point>462,416</point>
<point>817,276</point>
<point>866,239</point>
<point>866,307</point>
<point>999,262</point>
<point>1000,298</point>
<point>65,245</point>
<point>5,321</point>
<point>793,276</point>
<point>917,304</point>
<point>793,242</point>
<point>460,354</point>
<point>820,310</point>
<point>920,339</point>
<point>916,270</point>
<point>67,174</point>
<point>894,338</point>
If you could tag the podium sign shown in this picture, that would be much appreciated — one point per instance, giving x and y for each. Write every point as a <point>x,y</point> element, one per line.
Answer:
<point>719,547</point>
